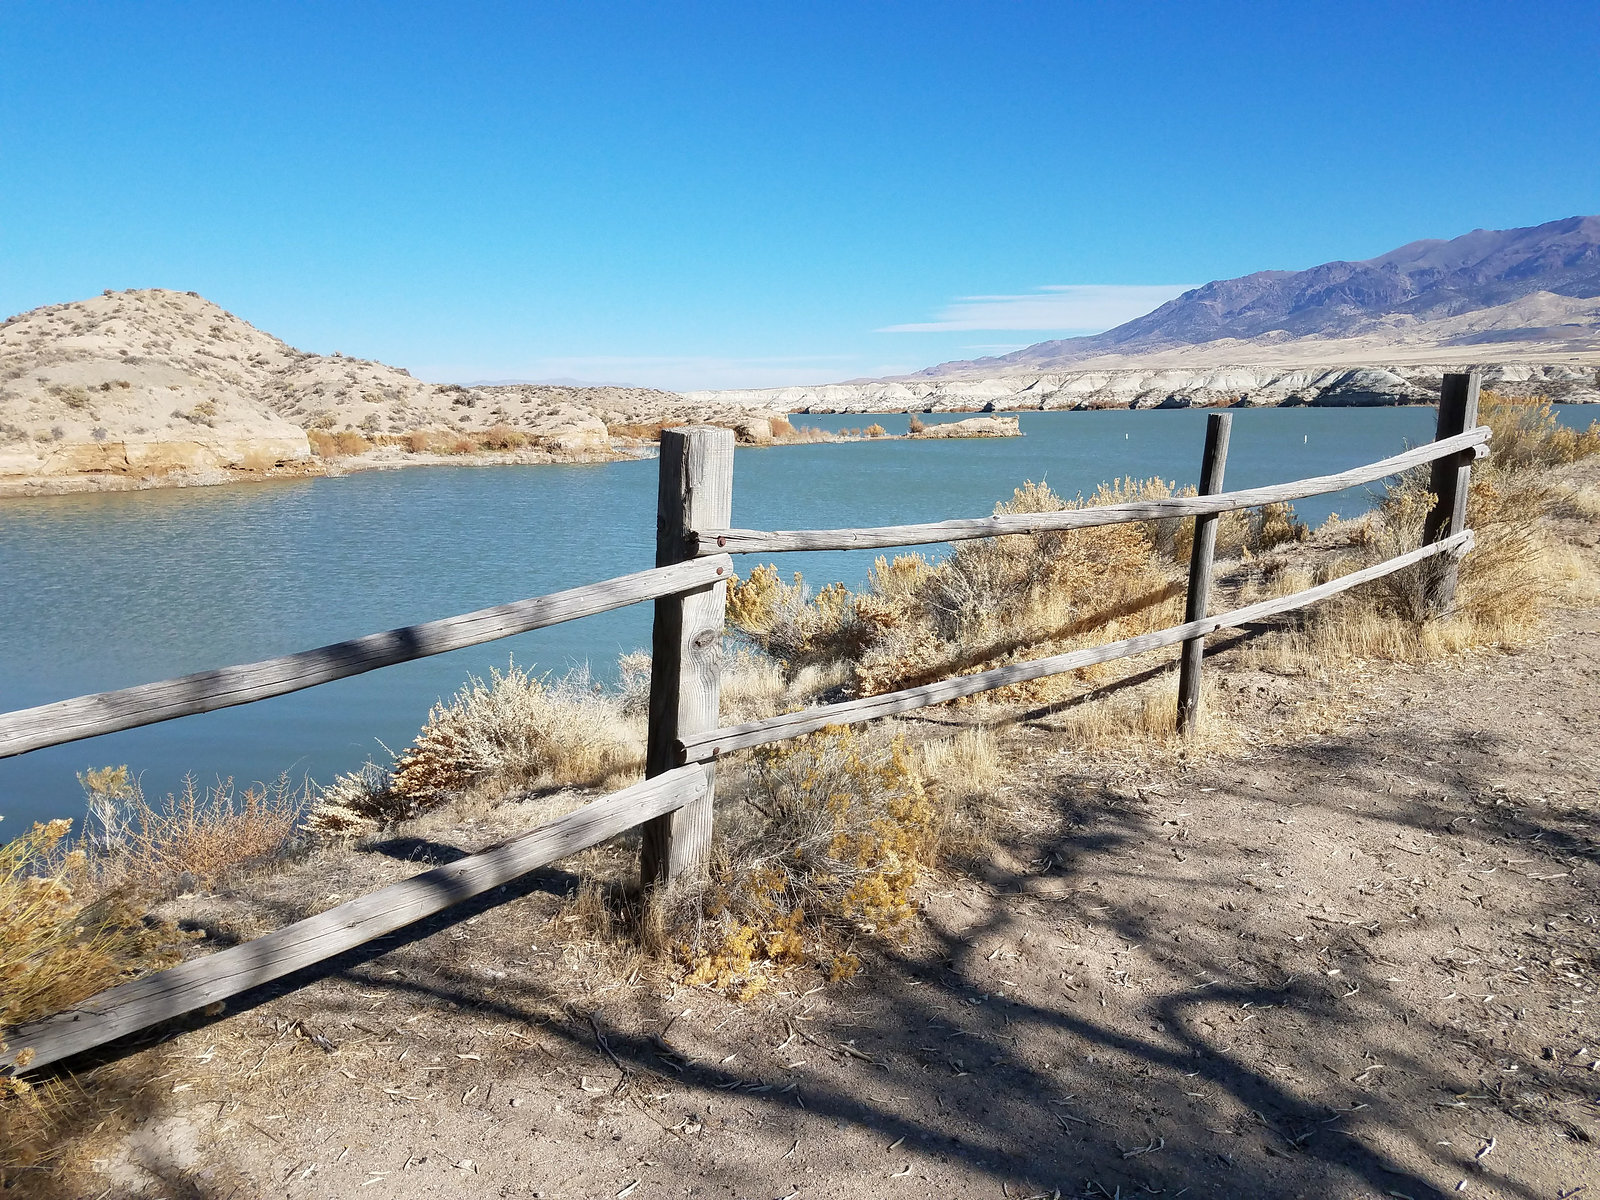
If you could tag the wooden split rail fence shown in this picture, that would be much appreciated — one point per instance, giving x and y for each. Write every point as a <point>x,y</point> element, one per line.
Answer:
<point>688,586</point>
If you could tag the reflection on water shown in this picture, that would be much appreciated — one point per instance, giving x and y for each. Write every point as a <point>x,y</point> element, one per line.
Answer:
<point>109,590</point>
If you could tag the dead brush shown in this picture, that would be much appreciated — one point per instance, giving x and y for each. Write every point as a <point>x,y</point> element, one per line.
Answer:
<point>343,444</point>
<point>195,836</point>
<point>1527,434</point>
<point>515,730</point>
<point>962,773</point>
<point>62,940</point>
<point>63,935</point>
<point>1518,571</point>
<point>822,839</point>
<point>987,603</point>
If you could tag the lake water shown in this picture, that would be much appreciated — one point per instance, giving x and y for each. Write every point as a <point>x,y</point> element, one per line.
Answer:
<point>104,591</point>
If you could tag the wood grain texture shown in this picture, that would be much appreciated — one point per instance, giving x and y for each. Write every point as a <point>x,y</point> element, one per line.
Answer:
<point>193,985</point>
<point>1451,484</point>
<point>695,491</point>
<point>88,716</point>
<point>755,541</point>
<point>1213,462</point>
<point>701,747</point>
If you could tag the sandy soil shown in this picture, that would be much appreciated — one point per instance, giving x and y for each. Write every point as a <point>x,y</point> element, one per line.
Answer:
<point>1361,966</point>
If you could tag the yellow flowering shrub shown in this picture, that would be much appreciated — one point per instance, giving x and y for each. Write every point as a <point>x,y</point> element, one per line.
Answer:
<point>56,948</point>
<point>831,839</point>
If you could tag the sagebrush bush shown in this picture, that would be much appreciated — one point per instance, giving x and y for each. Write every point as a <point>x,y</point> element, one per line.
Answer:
<point>988,602</point>
<point>1527,433</point>
<point>1517,572</point>
<point>515,730</point>
<point>63,935</point>
<point>822,839</point>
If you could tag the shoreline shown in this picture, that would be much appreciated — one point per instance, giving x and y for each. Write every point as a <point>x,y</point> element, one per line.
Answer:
<point>392,458</point>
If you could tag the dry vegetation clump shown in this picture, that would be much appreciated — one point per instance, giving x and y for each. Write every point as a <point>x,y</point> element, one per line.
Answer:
<point>73,917</point>
<point>822,839</point>
<point>1519,569</point>
<point>513,731</point>
<point>643,431</point>
<point>63,937</point>
<point>502,437</point>
<point>344,444</point>
<point>63,934</point>
<point>1527,435</point>
<point>989,602</point>
<point>192,838</point>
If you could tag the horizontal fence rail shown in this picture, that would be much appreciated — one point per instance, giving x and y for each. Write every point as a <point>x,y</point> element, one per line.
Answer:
<point>703,747</point>
<point>107,712</point>
<point>191,986</point>
<point>754,541</point>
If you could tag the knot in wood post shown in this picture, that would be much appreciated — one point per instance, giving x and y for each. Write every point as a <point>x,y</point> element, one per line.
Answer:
<point>695,493</point>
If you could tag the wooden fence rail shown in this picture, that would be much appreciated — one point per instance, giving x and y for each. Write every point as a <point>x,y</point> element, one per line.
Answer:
<point>755,541</point>
<point>688,585</point>
<point>201,981</point>
<point>107,712</point>
<point>705,746</point>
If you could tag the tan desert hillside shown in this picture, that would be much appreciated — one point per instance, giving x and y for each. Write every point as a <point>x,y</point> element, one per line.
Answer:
<point>150,386</point>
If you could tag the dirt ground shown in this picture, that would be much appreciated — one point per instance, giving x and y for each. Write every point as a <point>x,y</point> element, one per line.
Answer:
<point>1358,966</point>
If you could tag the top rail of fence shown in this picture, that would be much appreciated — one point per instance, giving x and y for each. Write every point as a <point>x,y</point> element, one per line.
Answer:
<point>107,712</point>
<point>755,541</point>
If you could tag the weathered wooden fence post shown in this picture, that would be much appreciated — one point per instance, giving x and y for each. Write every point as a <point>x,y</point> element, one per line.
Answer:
<point>1213,462</point>
<point>696,492</point>
<point>1450,483</point>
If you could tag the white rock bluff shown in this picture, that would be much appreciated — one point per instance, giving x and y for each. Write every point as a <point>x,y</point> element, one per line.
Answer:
<point>1174,387</point>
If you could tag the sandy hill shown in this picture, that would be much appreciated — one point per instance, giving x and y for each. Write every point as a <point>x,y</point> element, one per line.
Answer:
<point>161,384</point>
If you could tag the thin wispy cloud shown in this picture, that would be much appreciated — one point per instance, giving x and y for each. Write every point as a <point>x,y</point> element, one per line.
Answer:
<point>1058,308</point>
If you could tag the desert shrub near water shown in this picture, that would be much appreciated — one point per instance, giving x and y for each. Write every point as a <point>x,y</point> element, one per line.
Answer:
<point>502,437</point>
<point>1527,433</point>
<point>343,444</point>
<point>1518,571</point>
<point>195,836</point>
<point>513,730</point>
<point>822,839</point>
<point>988,602</point>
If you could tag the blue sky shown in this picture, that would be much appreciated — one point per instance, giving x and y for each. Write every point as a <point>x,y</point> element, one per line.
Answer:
<point>753,194</point>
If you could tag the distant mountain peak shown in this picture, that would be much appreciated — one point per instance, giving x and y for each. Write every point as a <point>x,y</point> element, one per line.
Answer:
<point>1422,282</point>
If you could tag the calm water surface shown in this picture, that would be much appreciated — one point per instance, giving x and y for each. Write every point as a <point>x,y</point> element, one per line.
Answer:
<point>100,592</point>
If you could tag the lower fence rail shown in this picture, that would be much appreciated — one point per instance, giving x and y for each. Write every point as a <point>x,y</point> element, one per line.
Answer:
<point>193,985</point>
<point>706,746</point>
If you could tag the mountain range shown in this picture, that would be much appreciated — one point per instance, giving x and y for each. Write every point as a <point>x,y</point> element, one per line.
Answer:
<point>1491,287</point>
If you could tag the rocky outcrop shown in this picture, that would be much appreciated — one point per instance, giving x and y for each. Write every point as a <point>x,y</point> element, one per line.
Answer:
<point>1171,387</point>
<point>973,427</point>
<point>154,387</point>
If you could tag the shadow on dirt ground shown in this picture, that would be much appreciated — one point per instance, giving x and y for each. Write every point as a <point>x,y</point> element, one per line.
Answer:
<point>1356,967</point>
